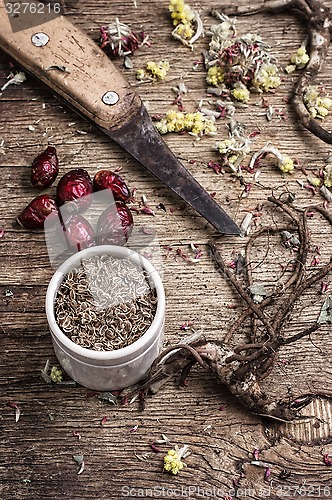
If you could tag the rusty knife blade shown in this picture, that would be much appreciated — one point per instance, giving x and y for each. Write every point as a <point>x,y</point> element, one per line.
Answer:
<point>141,140</point>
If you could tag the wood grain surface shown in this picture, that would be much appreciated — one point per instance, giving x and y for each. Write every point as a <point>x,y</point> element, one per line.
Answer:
<point>60,421</point>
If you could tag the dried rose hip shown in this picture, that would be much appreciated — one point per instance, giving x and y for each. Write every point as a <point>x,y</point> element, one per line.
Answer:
<point>78,232</point>
<point>115,225</point>
<point>45,168</point>
<point>106,179</point>
<point>75,186</point>
<point>34,215</point>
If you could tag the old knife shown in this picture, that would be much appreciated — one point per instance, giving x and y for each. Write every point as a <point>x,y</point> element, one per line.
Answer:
<point>61,56</point>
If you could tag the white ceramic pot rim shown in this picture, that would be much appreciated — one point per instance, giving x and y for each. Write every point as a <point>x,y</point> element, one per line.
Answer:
<point>130,351</point>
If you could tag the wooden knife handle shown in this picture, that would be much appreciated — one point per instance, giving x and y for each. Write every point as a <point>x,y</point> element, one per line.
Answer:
<point>74,67</point>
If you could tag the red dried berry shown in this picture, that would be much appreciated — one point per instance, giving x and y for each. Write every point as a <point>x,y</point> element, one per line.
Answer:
<point>106,179</point>
<point>34,215</point>
<point>45,168</point>
<point>115,225</point>
<point>75,186</point>
<point>78,233</point>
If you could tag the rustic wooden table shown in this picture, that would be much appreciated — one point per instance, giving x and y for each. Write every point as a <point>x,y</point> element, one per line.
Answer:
<point>60,421</point>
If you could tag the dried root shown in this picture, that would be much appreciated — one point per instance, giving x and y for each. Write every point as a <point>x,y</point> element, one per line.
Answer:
<point>319,21</point>
<point>242,368</point>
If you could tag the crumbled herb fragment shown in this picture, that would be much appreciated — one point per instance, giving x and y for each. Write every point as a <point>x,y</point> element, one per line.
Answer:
<point>325,315</point>
<point>79,459</point>
<point>16,79</point>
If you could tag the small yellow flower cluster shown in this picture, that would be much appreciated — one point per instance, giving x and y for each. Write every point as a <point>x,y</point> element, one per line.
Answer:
<point>286,164</point>
<point>300,58</point>
<point>328,176</point>
<point>317,105</point>
<point>240,92</point>
<point>157,71</point>
<point>183,18</point>
<point>215,76</point>
<point>173,462</point>
<point>315,181</point>
<point>56,374</point>
<point>195,123</point>
<point>266,78</point>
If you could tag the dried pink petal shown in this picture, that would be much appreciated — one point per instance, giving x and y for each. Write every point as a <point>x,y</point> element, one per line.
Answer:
<point>315,261</point>
<point>255,453</point>
<point>267,473</point>
<point>155,448</point>
<point>103,421</point>
<point>2,232</point>
<point>326,459</point>
<point>186,325</point>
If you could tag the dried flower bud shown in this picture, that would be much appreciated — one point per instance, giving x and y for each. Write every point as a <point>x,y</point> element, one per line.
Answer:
<point>115,225</point>
<point>45,168</point>
<point>106,179</point>
<point>75,186</point>
<point>35,214</point>
<point>78,233</point>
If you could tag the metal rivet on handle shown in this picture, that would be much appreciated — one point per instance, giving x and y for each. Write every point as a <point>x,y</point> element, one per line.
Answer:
<point>40,39</point>
<point>110,98</point>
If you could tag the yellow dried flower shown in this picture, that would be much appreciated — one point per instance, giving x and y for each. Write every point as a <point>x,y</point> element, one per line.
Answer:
<point>240,92</point>
<point>290,68</point>
<point>181,12</point>
<point>286,164</point>
<point>56,374</point>
<point>155,70</point>
<point>140,74</point>
<point>314,181</point>
<point>266,78</point>
<point>215,76</point>
<point>317,105</point>
<point>195,123</point>
<point>300,58</point>
<point>173,460</point>
<point>158,70</point>
<point>234,151</point>
<point>328,176</point>
<point>187,22</point>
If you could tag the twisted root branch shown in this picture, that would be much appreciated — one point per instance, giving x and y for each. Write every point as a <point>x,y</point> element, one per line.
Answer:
<point>243,367</point>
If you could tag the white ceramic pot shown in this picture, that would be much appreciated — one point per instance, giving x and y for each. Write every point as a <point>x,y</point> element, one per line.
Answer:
<point>107,370</point>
